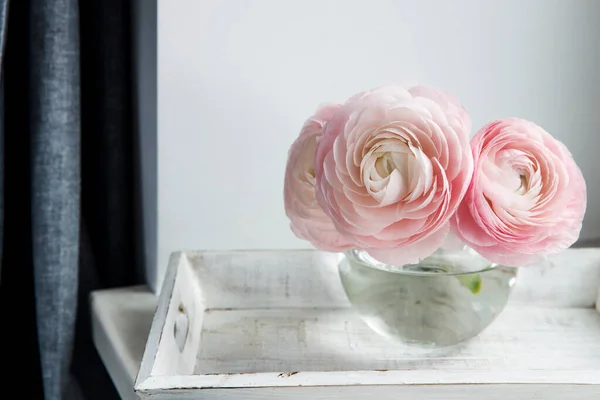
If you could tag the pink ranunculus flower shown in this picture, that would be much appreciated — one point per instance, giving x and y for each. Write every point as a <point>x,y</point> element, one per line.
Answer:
<point>393,165</point>
<point>308,221</point>
<point>527,197</point>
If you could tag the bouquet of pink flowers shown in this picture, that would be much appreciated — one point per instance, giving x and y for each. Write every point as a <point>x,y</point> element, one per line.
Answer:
<point>392,171</point>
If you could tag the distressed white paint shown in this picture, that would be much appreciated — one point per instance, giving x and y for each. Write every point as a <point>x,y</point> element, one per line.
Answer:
<point>336,340</point>
<point>271,323</point>
<point>308,278</point>
<point>185,302</point>
<point>598,300</point>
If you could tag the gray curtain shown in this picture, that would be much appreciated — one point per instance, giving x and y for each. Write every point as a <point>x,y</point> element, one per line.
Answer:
<point>68,188</point>
<point>55,181</point>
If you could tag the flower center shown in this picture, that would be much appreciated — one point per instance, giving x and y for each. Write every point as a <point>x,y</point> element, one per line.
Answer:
<point>389,161</point>
<point>385,164</point>
<point>522,189</point>
<point>309,175</point>
<point>512,169</point>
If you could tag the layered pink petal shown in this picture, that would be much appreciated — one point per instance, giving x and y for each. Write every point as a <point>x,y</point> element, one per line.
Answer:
<point>411,253</point>
<point>527,197</point>
<point>392,167</point>
<point>307,219</point>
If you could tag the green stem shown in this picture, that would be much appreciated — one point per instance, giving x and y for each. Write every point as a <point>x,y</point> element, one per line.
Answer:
<point>471,282</point>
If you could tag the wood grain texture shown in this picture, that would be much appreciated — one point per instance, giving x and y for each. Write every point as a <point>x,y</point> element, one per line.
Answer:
<point>530,338</point>
<point>176,261</point>
<point>598,300</point>
<point>265,279</point>
<point>308,278</point>
<point>276,322</point>
<point>184,315</point>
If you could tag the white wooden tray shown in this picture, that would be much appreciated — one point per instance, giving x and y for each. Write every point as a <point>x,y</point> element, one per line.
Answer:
<point>273,324</point>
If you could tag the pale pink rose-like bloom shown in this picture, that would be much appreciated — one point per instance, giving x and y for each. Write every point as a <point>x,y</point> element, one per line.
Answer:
<point>308,221</point>
<point>393,165</point>
<point>527,197</point>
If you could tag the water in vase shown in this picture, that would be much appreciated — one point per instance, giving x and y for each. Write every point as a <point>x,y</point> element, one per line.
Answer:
<point>445,299</point>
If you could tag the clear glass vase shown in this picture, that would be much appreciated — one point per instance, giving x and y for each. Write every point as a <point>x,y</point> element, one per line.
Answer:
<point>443,300</point>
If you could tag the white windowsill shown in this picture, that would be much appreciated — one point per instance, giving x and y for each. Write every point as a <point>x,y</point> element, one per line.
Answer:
<point>121,320</point>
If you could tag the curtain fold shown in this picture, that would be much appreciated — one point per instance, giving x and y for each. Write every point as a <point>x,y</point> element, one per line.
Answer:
<point>108,239</point>
<point>68,188</point>
<point>55,182</point>
<point>107,146</point>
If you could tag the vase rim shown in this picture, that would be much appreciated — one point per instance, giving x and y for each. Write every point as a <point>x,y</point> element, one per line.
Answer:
<point>424,267</point>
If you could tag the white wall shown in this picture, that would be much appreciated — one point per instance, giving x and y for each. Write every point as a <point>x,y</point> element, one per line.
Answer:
<point>236,79</point>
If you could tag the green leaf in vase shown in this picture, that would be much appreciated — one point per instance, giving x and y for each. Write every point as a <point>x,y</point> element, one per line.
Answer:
<point>471,282</point>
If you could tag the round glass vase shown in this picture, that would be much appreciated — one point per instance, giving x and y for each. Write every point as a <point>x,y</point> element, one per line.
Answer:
<point>447,298</point>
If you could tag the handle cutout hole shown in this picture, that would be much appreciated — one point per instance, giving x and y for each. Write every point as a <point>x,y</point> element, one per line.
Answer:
<point>180,328</point>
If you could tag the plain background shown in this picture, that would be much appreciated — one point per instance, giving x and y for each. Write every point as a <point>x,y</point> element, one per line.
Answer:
<point>236,79</point>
